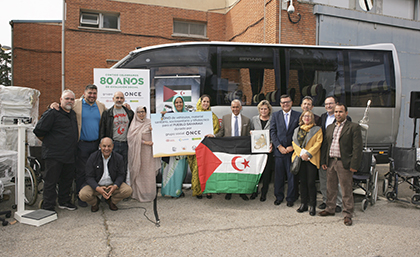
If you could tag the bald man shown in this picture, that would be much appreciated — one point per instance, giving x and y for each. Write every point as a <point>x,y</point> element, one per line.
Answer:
<point>115,123</point>
<point>105,176</point>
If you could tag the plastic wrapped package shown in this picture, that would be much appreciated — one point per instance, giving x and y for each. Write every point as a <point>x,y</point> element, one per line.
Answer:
<point>8,165</point>
<point>17,102</point>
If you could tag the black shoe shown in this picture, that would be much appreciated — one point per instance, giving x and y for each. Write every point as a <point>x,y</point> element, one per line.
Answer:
<point>209,196</point>
<point>182,194</point>
<point>303,207</point>
<point>68,206</point>
<point>337,209</point>
<point>312,210</point>
<point>322,206</point>
<point>253,196</point>
<point>263,198</point>
<point>290,204</point>
<point>199,196</point>
<point>277,202</point>
<point>244,197</point>
<point>81,203</point>
<point>228,196</point>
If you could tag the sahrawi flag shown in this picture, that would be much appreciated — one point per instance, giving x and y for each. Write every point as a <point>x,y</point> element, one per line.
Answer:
<point>226,165</point>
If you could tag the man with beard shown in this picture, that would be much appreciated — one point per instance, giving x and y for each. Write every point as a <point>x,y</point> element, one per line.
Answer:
<point>115,123</point>
<point>58,132</point>
<point>88,113</point>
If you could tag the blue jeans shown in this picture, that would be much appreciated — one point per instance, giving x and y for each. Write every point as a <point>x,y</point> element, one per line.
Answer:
<point>122,148</point>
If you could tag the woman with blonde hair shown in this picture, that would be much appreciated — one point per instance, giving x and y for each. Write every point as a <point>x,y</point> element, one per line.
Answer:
<point>307,140</point>
<point>262,122</point>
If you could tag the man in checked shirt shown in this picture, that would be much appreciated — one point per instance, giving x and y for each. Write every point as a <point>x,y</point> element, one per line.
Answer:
<point>341,156</point>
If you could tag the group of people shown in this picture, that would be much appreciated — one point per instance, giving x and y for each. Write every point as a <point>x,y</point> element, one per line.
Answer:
<point>95,146</point>
<point>73,130</point>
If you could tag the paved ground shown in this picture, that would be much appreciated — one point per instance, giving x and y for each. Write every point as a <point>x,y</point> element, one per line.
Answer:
<point>216,227</point>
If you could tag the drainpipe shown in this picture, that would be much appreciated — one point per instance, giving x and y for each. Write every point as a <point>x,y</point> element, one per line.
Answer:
<point>63,25</point>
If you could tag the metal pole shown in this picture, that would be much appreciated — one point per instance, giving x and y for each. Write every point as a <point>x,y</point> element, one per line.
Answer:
<point>63,25</point>
<point>21,168</point>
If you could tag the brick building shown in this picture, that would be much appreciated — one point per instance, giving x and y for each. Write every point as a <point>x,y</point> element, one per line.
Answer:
<point>122,26</point>
<point>100,32</point>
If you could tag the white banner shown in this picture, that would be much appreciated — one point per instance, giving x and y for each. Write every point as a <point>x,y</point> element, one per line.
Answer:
<point>134,83</point>
<point>179,133</point>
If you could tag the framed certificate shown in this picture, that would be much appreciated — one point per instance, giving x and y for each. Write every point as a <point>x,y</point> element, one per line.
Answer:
<point>260,141</point>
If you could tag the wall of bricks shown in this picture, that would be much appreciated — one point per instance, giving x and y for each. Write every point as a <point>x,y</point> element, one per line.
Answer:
<point>303,32</point>
<point>141,26</point>
<point>37,59</point>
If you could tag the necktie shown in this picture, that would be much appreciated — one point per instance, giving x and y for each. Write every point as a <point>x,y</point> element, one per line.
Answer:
<point>236,126</point>
<point>285,121</point>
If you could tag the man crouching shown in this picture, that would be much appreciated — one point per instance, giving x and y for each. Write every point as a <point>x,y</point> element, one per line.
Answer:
<point>105,175</point>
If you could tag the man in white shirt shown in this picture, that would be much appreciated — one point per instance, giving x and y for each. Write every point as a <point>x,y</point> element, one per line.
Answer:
<point>233,125</point>
<point>105,175</point>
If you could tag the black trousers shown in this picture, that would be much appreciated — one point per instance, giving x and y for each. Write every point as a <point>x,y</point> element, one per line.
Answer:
<point>307,175</point>
<point>61,173</point>
<point>266,176</point>
<point>84,150</point>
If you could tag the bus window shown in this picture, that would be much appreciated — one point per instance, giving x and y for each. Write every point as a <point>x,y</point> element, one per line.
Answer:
<point>314,72</point>
<point>169,82</point>
<point>246,73</point>
<point>371,78</point>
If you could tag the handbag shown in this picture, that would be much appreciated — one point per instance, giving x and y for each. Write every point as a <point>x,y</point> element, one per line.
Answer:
<point>295,167</point>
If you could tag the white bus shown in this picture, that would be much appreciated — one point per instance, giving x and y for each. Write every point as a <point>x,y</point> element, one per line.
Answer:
<point>252,72</point>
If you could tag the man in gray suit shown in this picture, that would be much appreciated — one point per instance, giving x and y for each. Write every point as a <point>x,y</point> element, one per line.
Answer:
<point>233,125</point>
<point>230,121</point>
<point>341,156</point>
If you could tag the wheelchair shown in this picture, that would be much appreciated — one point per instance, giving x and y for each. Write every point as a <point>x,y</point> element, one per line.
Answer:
<point>403,169</point>
<point>366,178</point>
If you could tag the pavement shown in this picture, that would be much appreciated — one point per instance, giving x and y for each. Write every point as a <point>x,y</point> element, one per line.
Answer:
<point>217,227</point>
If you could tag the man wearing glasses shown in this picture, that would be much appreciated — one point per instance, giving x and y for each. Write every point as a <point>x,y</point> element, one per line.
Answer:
<point>57,129</point>
<point>283,123</point>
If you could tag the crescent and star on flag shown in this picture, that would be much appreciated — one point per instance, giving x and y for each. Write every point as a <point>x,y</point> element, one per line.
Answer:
<point>245,163</point>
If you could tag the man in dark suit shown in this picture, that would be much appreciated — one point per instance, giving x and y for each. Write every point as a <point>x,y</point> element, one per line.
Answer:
<point>283,123</point>
<point>233,125</point>
<point>105,175</point>
<point>341,156</point>
<point>328,118</point>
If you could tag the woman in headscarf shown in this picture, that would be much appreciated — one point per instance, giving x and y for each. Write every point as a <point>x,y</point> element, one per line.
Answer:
<point>142,166</point>
<point>203,105</point>
<point>307,140</point>
<point>174,168</point>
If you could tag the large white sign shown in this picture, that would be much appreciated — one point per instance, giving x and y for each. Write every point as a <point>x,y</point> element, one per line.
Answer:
<point>179,133</point>
<point>134,83</point>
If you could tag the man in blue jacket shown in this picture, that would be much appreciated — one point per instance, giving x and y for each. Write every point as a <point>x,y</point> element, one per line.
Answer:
<point>105,175</point>
<point>283,123</point>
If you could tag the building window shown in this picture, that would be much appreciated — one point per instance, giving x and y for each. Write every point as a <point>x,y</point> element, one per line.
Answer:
<point>100,20</point>
<point>190,29</point>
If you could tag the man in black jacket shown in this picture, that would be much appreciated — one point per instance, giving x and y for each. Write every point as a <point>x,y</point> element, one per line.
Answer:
<point>115,123</point>
<point>58,131</point>
<point>105,175</point>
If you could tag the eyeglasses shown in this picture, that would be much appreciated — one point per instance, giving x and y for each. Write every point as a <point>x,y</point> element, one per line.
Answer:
<point>68,98</point>
<point>286,102</point>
